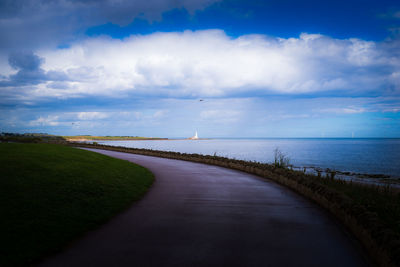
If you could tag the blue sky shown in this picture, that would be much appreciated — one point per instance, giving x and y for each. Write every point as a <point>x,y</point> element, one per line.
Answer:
<point>262,68</point>
<point>369,20</point>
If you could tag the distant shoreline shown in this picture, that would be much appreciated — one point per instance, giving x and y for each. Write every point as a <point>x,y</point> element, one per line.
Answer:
<point>82,138</point>
<point>117,138</point>
<point>130,139</point>
<point>345,173</point>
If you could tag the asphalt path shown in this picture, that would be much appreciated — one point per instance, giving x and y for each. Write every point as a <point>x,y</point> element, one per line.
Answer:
<point>202,215</point>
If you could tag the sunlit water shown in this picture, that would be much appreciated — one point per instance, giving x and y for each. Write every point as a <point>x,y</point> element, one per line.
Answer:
<point>372,156</point>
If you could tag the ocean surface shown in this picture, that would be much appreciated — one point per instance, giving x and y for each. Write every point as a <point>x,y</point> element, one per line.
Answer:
<point>365,156</point>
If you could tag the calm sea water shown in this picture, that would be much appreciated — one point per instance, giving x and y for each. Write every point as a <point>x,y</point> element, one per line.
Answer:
<point>372,156</point>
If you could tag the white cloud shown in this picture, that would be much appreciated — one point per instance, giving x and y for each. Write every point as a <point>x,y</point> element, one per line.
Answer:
<point>347,110</point>
<point>209,63</point>
<point>129,115</point>
<point>45,121</point>
<point>160,114</point>
<point>92,115</point>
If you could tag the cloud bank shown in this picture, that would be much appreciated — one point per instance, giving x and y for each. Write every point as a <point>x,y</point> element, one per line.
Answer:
<point>29,71</point>
<point>209,64</point>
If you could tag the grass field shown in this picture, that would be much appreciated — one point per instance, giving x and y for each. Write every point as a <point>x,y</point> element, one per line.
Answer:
<point>52,194</point>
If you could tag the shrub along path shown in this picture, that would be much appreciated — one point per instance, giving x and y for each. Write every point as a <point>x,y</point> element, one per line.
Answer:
<point>202,215</point>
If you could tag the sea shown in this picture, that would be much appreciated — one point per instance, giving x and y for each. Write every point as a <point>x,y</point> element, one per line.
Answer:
<point>351,157</point>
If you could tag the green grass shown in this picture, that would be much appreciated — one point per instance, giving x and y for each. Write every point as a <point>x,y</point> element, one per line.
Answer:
<point>52,194</point>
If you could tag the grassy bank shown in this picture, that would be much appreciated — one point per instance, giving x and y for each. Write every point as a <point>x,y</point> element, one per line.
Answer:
<point>108,138</point>
<point>371,213</point>
<point>32,138</point>
<point>52,194</point>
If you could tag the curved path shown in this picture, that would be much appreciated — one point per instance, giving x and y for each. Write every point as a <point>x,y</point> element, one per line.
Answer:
<point>202,215</point>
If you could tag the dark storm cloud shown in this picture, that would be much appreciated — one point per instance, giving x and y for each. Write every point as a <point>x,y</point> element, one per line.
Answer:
<point>33,24</point>
<point>25,61</point>
<point>29,70</point>
<point>9,8</point>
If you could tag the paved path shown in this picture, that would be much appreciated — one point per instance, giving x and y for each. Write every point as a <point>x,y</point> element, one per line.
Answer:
<point>202,215</point>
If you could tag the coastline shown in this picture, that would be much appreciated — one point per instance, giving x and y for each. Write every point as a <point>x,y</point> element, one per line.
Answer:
<point>367,179</point>
<point>341,169</point>
<point>132,139</point>
<point>112,139</point>
<point>340,198</point>
<point>362,178</point>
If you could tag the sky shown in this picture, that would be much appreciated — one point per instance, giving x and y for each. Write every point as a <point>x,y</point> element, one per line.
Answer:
<point>233,68</point>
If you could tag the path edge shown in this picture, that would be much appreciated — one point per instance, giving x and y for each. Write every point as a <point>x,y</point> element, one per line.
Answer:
<point>381,243</point>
